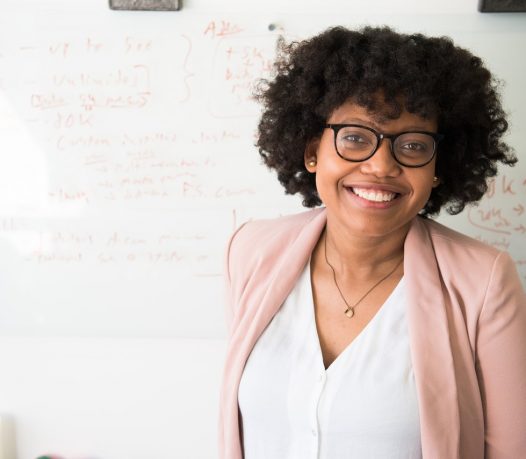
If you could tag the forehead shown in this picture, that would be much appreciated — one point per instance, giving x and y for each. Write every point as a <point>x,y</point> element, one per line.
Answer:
<point>381,116</point>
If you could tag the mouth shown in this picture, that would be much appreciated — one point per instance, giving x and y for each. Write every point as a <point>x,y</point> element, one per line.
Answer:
<point>374,195</point>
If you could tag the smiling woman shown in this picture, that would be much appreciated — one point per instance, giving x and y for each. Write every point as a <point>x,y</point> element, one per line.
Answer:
<point>364,328</point>
<point>372,193</point>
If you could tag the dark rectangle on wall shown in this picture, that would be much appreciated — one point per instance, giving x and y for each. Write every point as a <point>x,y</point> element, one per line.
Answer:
<point>502,6</point>
<point>146,5</point>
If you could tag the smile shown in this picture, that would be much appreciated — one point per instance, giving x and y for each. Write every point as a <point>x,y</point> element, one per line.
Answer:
<point>374,195</point>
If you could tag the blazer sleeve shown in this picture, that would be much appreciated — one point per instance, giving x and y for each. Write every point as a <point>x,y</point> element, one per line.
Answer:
<point>230,262</point>
<point>501,362</point>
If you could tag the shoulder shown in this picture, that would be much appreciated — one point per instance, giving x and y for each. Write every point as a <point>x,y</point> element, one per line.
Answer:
<point>284,223</point>
<point>258,244</point>
<point>447,241</point>
<point>259,249</point>
<point>269,234</point>
<point>469,265</point>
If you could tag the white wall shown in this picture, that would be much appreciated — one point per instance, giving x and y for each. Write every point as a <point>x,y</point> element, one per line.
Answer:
<point>111,329</point>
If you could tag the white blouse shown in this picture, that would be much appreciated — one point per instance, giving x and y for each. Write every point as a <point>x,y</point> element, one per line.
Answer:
<point>363,406</point>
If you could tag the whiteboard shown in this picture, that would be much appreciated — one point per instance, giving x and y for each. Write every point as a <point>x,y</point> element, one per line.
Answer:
<point>127,158</point>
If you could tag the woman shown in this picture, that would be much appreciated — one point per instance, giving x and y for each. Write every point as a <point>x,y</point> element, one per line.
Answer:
<point>364,329</point>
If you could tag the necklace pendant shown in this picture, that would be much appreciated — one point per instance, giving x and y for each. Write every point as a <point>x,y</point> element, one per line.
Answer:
<point>349,312</point>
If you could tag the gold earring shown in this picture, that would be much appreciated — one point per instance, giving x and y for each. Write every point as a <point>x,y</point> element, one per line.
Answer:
<point>312,163</point>
<point>435,179</point>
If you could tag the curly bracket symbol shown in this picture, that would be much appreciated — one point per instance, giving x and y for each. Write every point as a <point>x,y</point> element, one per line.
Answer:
<point>187,73</point>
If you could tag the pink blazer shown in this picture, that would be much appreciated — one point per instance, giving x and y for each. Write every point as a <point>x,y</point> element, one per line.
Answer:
<point>467,326</point>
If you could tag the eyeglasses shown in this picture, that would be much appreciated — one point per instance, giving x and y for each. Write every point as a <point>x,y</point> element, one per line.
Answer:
<point>357,143</point>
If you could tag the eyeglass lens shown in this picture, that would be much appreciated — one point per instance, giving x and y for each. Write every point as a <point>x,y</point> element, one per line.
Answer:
<point>412,148</point>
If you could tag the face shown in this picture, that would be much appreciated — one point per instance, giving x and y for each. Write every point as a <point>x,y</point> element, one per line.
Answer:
<point>378,196</point>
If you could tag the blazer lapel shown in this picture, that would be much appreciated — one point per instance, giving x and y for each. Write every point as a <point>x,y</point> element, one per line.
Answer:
<point>430,347</point>
<point>289,266</point>
<point>250,326</point>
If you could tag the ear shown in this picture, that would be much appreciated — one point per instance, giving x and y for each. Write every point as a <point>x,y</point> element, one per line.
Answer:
<point>436,181</point>
<point>310,156</point>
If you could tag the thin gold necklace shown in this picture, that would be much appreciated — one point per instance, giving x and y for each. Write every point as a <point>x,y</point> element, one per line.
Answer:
<point>349,312</point>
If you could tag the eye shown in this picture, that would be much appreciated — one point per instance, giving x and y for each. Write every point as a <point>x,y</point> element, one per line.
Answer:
<point>353,138</point>
<point>415,146</point>
<point>414,143</point>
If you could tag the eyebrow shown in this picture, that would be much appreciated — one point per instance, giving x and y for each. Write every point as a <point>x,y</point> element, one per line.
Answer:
<point>377,127</point>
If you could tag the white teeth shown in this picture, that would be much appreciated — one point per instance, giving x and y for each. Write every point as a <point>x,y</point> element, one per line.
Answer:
<point>374,195</point>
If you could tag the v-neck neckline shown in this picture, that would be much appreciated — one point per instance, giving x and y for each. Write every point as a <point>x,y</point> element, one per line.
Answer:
<point>372,324</point>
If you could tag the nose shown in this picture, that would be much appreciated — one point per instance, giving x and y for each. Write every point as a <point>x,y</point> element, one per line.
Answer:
<point>382,163</point>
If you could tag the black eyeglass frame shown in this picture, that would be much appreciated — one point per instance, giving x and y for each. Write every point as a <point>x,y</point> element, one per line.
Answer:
<point>379,137</point>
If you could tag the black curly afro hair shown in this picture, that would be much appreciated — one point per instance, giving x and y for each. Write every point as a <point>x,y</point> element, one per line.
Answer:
<point>430,77</point>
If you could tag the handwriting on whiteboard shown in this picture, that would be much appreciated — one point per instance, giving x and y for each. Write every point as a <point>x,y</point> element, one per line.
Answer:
<point>492,216</point>
<point>92,91</point>
<point>239,62</point>
<point>500,218</point>
<point>180,242</point>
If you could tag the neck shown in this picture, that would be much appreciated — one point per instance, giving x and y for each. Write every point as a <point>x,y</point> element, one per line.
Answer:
<point>362,256</point>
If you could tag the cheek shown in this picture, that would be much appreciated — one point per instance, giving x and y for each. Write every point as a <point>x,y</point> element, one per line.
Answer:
<point>326,183</point>
<point>424,180</point>
<point>321,186</point>
<point>329,173</point>
<point>424,189</point>
<point>328,169</point>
